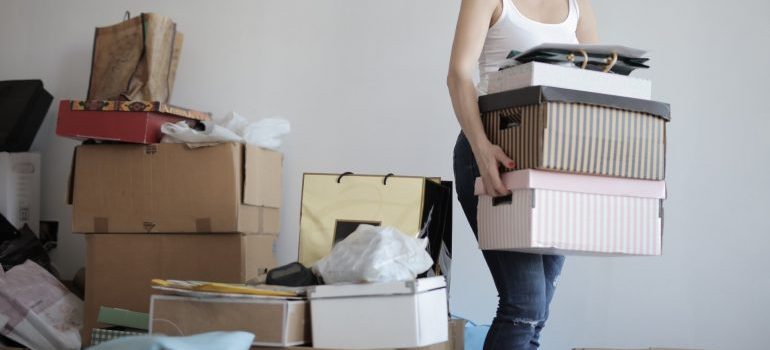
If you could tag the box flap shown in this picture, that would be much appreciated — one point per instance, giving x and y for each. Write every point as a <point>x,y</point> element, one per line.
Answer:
<point>262,178</point>
<point>549,180</point>
<point>376,289</point>
<point>540,94</point>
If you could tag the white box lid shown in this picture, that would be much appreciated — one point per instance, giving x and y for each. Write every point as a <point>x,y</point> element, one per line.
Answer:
<point>556,181</point>
<point>377,289</point>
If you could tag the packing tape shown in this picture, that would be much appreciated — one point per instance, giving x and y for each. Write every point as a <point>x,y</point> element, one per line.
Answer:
<point>101,225</point>
<point>203,225</point>
<point>148,226</point>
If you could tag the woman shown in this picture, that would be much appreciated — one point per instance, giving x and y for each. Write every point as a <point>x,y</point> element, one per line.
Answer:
<point>487,30</point>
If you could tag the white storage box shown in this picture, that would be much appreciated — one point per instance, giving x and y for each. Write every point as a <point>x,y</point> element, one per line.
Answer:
<point>379,315</point>
<point>559,213</point>
<point>20,189</point>
<point>537,73</point>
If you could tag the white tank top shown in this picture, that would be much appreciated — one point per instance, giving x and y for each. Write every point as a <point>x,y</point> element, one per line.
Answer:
<point>514,31</point>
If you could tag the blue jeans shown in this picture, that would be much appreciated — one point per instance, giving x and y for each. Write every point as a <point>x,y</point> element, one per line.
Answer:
<point>525,282</point>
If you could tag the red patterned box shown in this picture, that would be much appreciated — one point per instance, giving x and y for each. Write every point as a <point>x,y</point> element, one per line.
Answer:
<point>123,121</point>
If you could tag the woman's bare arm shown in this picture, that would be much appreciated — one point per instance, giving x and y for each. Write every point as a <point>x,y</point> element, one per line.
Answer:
<point>472,25</point>
<point>586,29</point>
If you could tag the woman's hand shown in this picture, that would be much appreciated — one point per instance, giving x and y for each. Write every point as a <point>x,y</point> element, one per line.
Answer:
<point>488,158</point>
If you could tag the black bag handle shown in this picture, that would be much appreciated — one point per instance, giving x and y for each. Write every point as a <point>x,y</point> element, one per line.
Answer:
<point>384,179</point>
<point>344,174</point>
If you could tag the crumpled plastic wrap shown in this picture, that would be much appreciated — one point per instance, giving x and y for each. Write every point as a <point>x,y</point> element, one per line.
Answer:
<point>233,127</point>
<point>375,254</point>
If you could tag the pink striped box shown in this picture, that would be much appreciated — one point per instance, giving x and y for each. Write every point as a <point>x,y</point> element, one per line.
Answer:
<point>559,213</point>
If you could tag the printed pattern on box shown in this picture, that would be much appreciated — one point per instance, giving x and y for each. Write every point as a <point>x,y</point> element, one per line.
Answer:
<point>540,220</point>
<point>137,106</point>
<point>580,138</point>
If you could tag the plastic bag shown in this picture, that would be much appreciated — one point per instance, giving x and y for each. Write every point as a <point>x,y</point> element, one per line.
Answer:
<point>375,254</point>
<point>233,127</point>
<point>7,230</point>
<point>181,132</point>
<point>203,341</point>
<point>38,311</point>
<point>17,246</point>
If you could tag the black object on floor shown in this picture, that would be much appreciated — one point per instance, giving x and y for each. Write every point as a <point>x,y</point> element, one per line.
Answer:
<point>22,248</point>
<point>292,275</point>
<point>7,230</point>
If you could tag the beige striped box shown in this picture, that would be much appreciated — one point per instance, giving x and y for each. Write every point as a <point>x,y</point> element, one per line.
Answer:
<point>558,213</point>
<point>578,132</point>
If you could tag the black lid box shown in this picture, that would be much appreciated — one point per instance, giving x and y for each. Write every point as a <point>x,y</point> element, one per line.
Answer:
<point>550,128</point>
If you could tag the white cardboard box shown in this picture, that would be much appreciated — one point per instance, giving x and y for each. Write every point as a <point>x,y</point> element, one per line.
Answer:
<point>20,189</point>
<point>537,73</point>
<point>379,315</point>
<point>561,213</point>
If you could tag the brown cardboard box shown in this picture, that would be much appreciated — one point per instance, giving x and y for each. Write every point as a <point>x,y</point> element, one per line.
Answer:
<point>119,267</point>
<point>456,341</point>
<point>170,188</point>
<point>273,321</point>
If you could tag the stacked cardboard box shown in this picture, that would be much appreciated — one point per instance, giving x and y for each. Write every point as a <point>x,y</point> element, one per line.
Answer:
<point>172,212</point>
<point>589,167</point>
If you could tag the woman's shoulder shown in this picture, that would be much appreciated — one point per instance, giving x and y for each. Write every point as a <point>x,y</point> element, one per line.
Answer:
<point>583,4</point>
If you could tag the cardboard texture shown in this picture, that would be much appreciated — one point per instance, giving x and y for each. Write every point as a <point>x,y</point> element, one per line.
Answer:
<point>113,125</point>
<point>555,213</point>
<point>579,132</point>
<point>119,267</point>
<point>379,315</point>
<point>333,205</point>
<point>456,341</point>
<point>273,321</point>
<point>24,105</point>
<point>20,189</point>
<point>537,73</point>
<point>170,188</point>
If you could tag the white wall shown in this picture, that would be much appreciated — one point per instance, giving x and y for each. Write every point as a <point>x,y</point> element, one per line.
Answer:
<point>363,84</point>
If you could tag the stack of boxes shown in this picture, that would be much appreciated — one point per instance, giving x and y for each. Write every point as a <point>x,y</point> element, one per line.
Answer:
<point>590,166</point>
<point>170,211</point>
<point>387,315</point>
<point>407,315</point>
